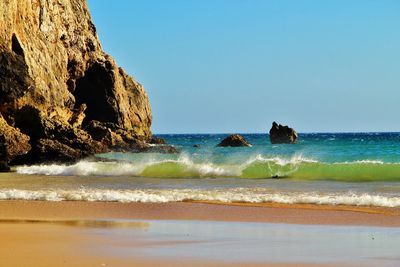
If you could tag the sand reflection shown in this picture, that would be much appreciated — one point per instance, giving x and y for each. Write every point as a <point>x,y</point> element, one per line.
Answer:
<point>82,223</point>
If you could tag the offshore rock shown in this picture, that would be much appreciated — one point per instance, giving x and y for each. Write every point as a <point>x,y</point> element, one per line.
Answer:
<point>280,134</point>
<point>234,140</point>
<point>55,79</point>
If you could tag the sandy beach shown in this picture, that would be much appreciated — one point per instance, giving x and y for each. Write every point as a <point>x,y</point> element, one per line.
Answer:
<point>59,244</point>
<point>199,133</point>
<point>239,212</point>
<point>96,233</point>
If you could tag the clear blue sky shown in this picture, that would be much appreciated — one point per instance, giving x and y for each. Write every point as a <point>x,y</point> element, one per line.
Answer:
<point>222,66</point>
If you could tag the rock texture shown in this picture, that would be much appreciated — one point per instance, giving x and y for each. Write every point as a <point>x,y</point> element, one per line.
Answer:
<point>157,141</point>
<point>165,149</point>
<point>280,134</point>
<point>15,142</point>
<point>3,155</point>
<point>60,95</point>
<point>234,140</point>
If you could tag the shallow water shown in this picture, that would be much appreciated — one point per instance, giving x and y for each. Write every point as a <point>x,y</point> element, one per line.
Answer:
<point>258,243</point>
<point>185,242</point>
<point>350,169</point>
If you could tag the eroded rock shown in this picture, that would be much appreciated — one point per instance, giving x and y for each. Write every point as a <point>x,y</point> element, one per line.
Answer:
<point>50,151</point>
<point>15,142</point>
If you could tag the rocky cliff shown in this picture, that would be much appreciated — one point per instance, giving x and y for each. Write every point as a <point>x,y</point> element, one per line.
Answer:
<point>59,92</point>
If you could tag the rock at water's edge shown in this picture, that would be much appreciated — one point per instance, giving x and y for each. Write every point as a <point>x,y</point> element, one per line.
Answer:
<point>15,142</point>
<point>156,141</point>
<point>280,134</point>
<point>61,96</point>
<point>234,140</point>
<point>3,155</point>
<point>164,149</point>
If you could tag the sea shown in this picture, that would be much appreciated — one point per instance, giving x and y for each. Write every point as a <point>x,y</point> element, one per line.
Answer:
<point>356,169</point>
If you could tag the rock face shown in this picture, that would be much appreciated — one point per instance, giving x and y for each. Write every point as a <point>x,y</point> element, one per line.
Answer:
<point>280,134</point>
<point>56,83</point>
<point>234,140</point>
<point>3,155</point>
<point>15,142</point>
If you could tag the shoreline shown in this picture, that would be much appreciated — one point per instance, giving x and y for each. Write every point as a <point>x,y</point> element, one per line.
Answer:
<point>74,233</point>
<point>307,214</point>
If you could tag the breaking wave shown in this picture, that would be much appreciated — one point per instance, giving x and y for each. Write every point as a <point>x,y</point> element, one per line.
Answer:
<point>242,195</point>
<point>256,167</point>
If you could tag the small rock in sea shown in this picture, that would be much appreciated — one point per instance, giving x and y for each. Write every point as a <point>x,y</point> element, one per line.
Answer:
<point>197,146</point>
<point>234,140</point>
<point>280,134</point>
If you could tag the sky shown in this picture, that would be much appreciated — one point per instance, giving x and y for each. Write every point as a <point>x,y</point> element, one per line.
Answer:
<point>226,66</point>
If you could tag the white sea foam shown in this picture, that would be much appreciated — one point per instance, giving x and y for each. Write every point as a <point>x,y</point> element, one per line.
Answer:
<point>296,159</point>
<point>365,161</point>
<point>257,166</point>
<point>83,168</point>
<point>226,196</point>
<point>86,168</point>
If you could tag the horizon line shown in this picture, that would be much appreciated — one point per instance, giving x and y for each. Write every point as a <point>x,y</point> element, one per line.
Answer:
<point>345,132</point>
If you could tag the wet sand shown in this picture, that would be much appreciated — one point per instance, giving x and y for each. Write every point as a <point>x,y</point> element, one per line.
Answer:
<point>49,245</point>
<point>239,212</point>
<point>40,233</point>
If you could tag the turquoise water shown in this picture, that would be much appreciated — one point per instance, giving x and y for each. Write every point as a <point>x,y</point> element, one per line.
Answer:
<point>347,169</point>
<point>345,157</point>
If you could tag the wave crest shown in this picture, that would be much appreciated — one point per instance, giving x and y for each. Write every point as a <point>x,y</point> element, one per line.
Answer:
<point>296,167</point>
<point>226,196</point>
